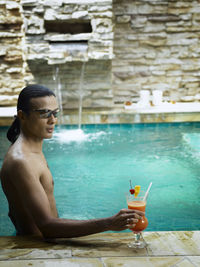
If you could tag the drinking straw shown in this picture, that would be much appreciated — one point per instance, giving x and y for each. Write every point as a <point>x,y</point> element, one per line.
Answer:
<point>147,192</point>
<point>130,184</point>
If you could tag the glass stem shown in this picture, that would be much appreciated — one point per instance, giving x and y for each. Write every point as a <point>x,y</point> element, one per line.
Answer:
<point>137,237</point>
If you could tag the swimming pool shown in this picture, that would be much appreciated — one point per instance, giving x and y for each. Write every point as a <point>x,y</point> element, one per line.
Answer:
<point>92,169</point>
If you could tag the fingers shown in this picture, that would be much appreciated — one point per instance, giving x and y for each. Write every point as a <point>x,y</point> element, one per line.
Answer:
<point>131,217</point>
<point>128,214</point>
<point>125,218</point>
<point>131,223</point>
<point>141,213</point>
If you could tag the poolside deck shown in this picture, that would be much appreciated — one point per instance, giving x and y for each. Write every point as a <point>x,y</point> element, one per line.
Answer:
<point>180,249</point>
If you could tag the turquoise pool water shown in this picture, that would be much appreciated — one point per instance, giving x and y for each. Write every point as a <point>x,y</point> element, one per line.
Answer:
<point>92,169</point>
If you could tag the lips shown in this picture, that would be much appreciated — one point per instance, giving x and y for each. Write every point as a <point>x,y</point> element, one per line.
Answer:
<point>50,130</point>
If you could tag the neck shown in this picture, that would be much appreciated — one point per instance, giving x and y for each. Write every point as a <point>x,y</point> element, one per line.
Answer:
<point>33,144</point>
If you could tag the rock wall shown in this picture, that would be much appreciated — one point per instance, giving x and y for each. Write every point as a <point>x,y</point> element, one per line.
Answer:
<point>11,52</point>
<point>127,46</point>
<point>61,35</point>
<point>156,46</point>
<point>58,34</point>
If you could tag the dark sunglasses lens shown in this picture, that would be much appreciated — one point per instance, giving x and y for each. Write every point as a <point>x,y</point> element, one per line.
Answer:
<point>49,114</point>
<point>55,114</point>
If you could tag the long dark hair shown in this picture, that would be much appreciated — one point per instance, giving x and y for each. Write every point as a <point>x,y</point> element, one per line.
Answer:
<point>23,103</point>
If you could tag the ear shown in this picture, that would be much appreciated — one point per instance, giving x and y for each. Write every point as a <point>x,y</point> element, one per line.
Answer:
<point>21,115</point>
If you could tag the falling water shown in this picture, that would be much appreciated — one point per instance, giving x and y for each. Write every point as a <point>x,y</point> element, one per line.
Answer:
<point>80,91</point>
<point>56,78</point>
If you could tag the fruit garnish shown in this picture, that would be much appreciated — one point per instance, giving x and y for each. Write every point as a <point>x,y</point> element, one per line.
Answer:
<point>132,191</point>
<point>137,190</point>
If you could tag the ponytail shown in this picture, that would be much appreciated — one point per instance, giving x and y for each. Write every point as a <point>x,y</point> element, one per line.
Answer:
<point>14,130</point>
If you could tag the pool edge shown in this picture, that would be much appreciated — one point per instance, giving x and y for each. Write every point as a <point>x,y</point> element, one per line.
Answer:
<point>169,248</point>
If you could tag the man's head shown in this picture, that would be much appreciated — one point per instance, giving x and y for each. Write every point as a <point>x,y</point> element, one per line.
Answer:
<point>36,106</point>
<point>30,92</point>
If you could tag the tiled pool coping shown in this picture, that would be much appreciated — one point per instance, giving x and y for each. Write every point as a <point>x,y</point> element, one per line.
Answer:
<point>168,249</point>
<point>179,112</point>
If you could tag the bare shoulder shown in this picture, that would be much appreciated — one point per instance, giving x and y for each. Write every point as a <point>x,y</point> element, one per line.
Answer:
<point>15,159</point>
<point>16,165</point>
<point>19,164</point>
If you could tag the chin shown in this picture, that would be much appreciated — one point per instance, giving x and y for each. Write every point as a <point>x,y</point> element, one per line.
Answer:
<point>48,136</point>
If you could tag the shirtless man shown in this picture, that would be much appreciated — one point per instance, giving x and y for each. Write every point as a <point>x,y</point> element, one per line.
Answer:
<point>27,181</point>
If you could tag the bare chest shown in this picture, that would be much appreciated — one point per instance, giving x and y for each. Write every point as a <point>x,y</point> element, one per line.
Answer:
<point>47,183</point>
<point>43,173</point>
<point>46,180</point>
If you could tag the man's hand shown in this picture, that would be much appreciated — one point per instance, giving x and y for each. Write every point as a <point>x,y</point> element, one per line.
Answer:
<point>125,218</point>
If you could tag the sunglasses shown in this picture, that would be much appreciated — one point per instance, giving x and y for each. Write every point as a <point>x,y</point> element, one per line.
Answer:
<point>46,113</point>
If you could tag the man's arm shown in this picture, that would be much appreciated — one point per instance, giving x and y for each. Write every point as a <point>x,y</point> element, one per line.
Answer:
<point>35,200</point>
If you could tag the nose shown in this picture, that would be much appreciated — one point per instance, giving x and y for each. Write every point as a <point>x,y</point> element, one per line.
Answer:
<point>52,119</point>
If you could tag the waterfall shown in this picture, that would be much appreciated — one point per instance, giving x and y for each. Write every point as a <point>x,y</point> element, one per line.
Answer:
<point>56,78</point>
<point>58,92</point>
<point>80,92</point>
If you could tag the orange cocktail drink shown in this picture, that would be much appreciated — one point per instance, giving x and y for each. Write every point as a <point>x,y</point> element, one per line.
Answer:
<point>137,201</point>
<point>138,205</point>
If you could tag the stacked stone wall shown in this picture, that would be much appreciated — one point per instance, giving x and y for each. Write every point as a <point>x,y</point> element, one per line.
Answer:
<point>141,45</point>
<point>156,46</point>
<point>49,47</point>
<point>11,52</point>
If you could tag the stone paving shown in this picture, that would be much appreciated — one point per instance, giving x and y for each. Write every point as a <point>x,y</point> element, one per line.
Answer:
<point>177,249</point>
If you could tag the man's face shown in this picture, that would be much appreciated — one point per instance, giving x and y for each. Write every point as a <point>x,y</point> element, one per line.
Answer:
<point>41,121</point>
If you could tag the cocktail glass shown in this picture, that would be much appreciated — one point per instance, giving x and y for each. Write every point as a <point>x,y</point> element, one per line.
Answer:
<point>137,203</point>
